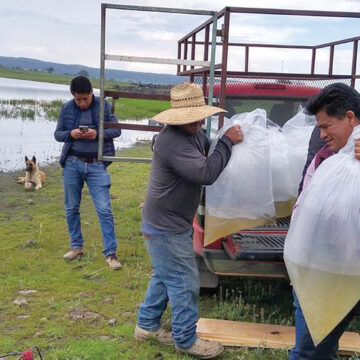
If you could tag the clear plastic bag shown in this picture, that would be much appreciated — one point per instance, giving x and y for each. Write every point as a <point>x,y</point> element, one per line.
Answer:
<point>297,131</point>
<point>322,247</point>
<point>242,196</point>
<point>283,190</point>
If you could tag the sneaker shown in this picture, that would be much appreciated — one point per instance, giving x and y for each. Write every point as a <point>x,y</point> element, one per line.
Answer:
<point>73,254</point>
<point>161,335</point>
<point>203,349</point>
<point>113,262</point>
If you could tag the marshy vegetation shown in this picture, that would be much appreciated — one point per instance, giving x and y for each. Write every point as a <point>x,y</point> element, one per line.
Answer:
<point>30,109</point>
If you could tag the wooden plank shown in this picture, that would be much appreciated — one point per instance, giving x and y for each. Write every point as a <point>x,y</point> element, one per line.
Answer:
<point>235,333</point>
<point>153,60</point>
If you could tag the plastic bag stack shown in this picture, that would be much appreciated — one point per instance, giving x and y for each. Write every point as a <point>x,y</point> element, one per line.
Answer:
<point>322,247</point>
<point>242,195</point>
<point>297,132</point>
<point>257,185</point>
<point>283,189</point>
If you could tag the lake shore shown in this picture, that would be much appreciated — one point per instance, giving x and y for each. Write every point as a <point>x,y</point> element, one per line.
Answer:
<point>28,121</point>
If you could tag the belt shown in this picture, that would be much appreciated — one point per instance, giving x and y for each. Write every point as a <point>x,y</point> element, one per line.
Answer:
<point>86,159</point>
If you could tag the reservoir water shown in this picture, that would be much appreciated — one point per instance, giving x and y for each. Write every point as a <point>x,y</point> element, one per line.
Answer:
<point>20,137</point>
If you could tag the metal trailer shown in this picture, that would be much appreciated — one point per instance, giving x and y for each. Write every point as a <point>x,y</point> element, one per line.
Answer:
<point>206,72</point>
<point>184,62</point>
<point>224,76</point>
<point>245,89</point>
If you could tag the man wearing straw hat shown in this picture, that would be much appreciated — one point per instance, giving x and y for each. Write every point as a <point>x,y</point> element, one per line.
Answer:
<point>180,167</point>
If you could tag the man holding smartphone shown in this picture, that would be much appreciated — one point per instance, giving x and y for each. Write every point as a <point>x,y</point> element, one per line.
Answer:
<point>77,127</point>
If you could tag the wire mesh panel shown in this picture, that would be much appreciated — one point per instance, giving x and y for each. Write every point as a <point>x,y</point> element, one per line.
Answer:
<point>280,98</point>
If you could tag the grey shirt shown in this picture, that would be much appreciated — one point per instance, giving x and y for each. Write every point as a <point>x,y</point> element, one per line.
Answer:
<point>179,168</point>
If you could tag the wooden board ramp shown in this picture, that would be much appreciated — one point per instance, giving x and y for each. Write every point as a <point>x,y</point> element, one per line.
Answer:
<point>236,333</point>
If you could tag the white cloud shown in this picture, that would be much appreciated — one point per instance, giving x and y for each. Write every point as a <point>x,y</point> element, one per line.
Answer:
<point>158,35</point>
<point>263,34</point>
<point>69,31</point>
<point>38,52</point>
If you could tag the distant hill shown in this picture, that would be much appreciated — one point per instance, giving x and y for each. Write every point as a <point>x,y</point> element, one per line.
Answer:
<point>110,74</point>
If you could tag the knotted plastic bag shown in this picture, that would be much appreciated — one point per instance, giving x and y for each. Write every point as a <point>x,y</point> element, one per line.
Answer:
<point>322,247</point>
<point>242,196</point>
<point>297,131</point>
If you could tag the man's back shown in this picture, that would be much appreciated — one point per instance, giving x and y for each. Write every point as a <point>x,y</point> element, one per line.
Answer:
<point>173,192</point>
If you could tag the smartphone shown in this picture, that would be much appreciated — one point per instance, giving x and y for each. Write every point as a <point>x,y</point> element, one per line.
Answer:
<point>83,128</point>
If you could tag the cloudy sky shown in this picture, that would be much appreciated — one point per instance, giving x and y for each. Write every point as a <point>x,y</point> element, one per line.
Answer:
<point>68,31</point>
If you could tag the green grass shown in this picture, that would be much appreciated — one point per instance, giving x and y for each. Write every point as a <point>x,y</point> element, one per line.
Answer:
<point>138,108</point>
<point>34,76</point>
<point>30,109</point>
<point>33,239</point>
<point>50,77</point>
<point>125,109</point>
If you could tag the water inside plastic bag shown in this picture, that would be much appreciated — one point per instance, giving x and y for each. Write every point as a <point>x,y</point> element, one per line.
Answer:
<point>322,247</point>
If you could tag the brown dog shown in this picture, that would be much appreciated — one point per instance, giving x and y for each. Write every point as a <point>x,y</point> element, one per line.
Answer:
<point>34,178</point>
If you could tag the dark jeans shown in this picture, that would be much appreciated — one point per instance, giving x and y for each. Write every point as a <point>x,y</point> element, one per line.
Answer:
<point>328,348</point>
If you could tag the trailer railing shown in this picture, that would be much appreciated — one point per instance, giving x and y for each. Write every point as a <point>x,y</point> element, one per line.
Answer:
<point>118,57</point>
<point>191,42</point>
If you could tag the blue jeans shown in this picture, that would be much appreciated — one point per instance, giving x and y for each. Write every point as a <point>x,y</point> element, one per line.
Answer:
<point>304,347</point>
<point>175,280</point>
<point>300,325</point>
<point>75,173</point>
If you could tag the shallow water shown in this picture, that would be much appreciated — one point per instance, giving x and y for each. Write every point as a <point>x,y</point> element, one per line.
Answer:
<point>26,137</point>
<point>19,137</point>
<point>24,89</point>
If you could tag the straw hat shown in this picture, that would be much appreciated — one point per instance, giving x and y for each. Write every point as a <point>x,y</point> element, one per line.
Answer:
<point>187,106</point>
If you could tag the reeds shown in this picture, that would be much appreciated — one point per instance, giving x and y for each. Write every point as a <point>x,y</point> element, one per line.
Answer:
<point>29,109</point>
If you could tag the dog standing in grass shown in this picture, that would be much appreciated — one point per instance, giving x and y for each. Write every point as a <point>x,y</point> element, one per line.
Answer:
<point>34,178</point>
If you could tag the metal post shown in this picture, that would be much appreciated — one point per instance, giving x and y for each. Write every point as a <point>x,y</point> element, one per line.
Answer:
<point>225,50</point>
<point>331,59</point>
<point>246,58</point>
<point>102,83</point>
<point>353,68</point>
<point>193,44</point>
<point>185,52</point>
<point>206,57</point>
<point>313,59</point>
<point>212,70</point>
<point>179,57</point>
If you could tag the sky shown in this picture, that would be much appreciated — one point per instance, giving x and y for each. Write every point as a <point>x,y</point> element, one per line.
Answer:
<point>68,31</point>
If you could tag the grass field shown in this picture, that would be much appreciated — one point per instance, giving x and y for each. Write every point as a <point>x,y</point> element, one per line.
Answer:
<point>49,77</point>
<point>125,109</point>
<point>68,315</point>
<point>138,108</point>
<point>33,239</point>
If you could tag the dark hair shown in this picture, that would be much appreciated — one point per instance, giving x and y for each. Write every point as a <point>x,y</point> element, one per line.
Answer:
<point>335,99</point>
<point>80,84</point>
